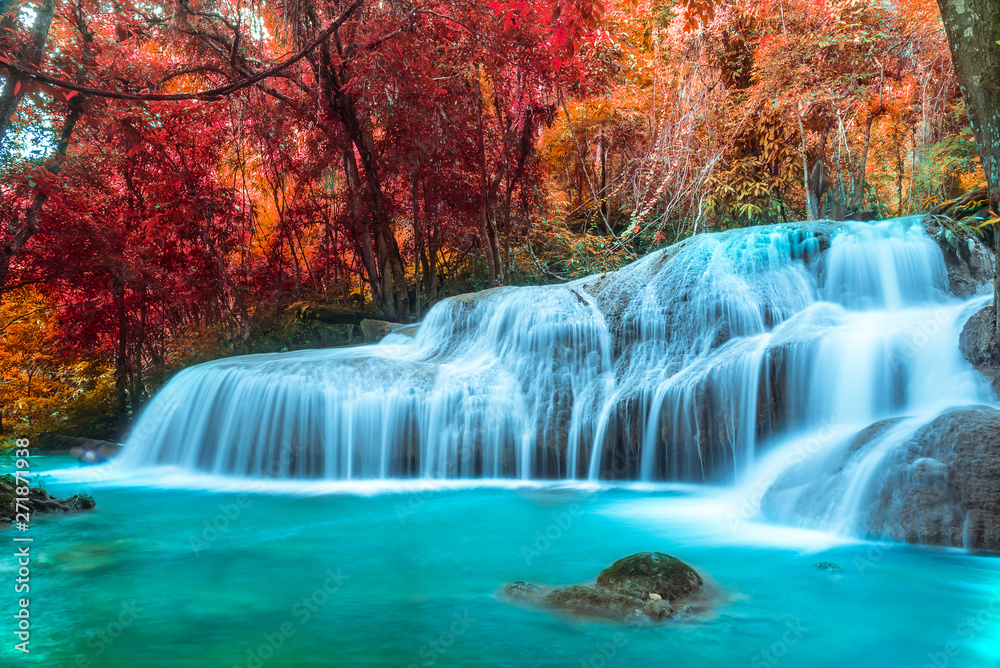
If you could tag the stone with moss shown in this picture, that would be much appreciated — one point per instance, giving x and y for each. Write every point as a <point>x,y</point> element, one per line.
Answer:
<point>523,590</point>
<point>38,501</point>
<point>645,573</point>
<point>592,602</point>
<point>648,585</point>
<point>828,566</point>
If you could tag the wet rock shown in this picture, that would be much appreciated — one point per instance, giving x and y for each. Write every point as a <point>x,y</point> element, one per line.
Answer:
<point>648,585</point>
<point>58,444</point>
<point>38,501</point>
<point>523,590</point>
<point>980,347</point>
<point>593,602</point>
<point>967,259</point>
<point>645,573</point>
<point>376,330</point>
<point>939,486</point>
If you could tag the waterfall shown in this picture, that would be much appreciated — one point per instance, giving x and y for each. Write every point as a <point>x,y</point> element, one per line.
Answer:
<point>688,365</point>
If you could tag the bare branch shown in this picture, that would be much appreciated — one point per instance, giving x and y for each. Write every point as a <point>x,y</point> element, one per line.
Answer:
<point>211,94</point>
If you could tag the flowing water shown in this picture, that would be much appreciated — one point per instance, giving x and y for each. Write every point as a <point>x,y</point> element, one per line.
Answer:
<point>684,366</point>
<point>540,434</point>
<point>161,577</point>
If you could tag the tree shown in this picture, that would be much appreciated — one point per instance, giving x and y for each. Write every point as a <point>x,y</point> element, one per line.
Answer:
<point>973,28</point>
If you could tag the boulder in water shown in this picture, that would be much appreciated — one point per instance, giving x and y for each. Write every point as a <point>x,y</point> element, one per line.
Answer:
<point>647,585</point>
<point>940,485</point>
<point>523,590</point>
<point>967,259</point>
<point>979,345</point>
<point>38,501</point>
<point>595,602</point>
<point>648,573</point>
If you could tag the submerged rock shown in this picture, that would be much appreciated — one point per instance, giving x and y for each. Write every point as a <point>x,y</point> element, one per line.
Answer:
<point>940,485</point>
<point>828,566</point>
<point>521,589</point>
<point>38,501</point>
<point>647,585</point>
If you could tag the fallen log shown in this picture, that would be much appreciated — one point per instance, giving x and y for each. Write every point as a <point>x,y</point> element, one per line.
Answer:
<point>973,196</point>
<point>337,316</point>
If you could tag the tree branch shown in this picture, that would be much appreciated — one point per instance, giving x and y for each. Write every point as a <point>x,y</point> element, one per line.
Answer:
<point>211,94</point>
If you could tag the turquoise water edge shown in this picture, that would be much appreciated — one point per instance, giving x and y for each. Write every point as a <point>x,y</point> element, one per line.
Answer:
<point>158,577</point>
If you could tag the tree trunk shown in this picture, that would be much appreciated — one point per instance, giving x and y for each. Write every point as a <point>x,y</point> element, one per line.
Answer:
<point>817,180</point>
<point>973,28</point>
<point>861,178</point>
<point>431,263</point>
<point>390,261</point>
<point>138,386</point>
<point>392,294</point>
<point>604,174</point>
<point>583,166</point>
<point>20,234</point>
<point>338,316</point>
<point>361,230</point>
<point>486,234</point>
<point>13,89</point>
<point>418,243</point>
<point>121,358</point>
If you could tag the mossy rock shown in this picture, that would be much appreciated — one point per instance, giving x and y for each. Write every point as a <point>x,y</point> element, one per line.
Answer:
<point>37,501</point>
<point>592,602</point>
<point>645,573</point>
<point>523,590</point>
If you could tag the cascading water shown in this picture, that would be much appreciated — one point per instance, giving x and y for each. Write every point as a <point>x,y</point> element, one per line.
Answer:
<point>683,366</point>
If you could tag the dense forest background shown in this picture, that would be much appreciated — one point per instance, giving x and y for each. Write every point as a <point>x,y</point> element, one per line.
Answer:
<point>190,179</point>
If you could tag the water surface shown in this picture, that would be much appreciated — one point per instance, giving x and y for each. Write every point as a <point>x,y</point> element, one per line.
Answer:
<point>411,579</point>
